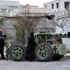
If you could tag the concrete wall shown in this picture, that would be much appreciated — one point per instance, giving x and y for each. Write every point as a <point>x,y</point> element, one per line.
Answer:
<point>7,25</point>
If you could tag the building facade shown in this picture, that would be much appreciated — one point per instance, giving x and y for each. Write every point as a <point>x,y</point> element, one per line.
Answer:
<point>61,10</point>
<point>7,6</point>
<point>57,6</point>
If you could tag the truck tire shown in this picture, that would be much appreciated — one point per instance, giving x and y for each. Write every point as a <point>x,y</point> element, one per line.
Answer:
<point>44,52</point>
<point>57,57</point>
<point>17,52</point>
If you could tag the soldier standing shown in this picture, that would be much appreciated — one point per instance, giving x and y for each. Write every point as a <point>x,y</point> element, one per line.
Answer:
<point>2,44</point>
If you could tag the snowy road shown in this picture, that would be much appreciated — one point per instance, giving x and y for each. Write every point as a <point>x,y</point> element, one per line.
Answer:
<point>63,64</point>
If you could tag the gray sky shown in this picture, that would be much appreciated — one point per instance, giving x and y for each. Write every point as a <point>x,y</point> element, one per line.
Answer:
<point>32,2</point>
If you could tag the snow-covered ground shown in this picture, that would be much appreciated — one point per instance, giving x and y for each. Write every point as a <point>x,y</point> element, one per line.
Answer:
<point>24,65</point>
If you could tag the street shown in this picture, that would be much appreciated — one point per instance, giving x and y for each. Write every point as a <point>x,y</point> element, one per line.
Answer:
<point>63,64</point>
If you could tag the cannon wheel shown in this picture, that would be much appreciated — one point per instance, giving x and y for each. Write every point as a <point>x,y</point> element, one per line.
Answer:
<point>17,52</point>
<point>57,57</point>
<point>44,52</point>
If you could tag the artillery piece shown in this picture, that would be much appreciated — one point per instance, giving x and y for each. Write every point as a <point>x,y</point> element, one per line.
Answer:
<point>44,51</point>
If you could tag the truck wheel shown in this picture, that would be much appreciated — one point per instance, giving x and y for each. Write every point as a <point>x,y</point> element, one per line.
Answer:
<point>57,57</point>
<point>17,52</point>
<point>44,52</point>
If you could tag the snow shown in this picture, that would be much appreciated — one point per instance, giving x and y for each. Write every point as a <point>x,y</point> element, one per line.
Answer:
<point>24,65</point>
